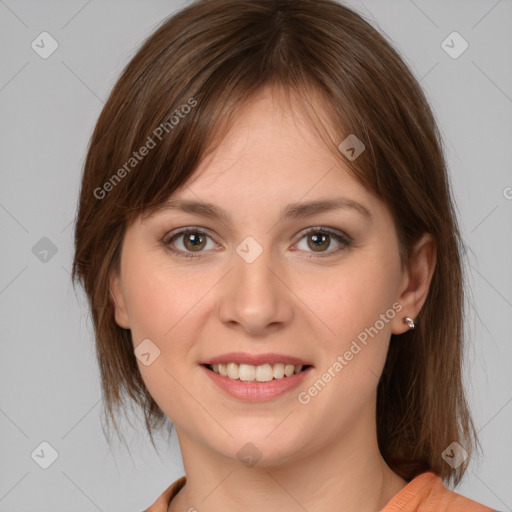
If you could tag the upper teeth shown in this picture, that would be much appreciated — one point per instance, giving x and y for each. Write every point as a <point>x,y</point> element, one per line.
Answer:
<point>261,373</point>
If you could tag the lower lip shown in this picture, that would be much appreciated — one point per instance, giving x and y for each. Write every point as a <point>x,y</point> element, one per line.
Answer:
<point>257,391</point>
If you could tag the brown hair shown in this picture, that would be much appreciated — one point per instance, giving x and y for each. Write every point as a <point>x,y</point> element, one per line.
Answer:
<point>185,82</point>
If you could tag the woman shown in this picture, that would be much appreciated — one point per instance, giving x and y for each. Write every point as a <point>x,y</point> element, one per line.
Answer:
<point>268,243</point>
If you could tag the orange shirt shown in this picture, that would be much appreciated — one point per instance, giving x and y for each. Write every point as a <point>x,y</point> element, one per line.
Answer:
<point>425,493</point>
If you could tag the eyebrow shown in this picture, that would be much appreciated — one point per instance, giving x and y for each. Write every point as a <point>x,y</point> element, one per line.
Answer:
<point>291,211</point>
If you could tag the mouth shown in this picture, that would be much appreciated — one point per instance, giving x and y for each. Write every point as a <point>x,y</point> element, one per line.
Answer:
<point>261,373</point>
<point>256,377</point>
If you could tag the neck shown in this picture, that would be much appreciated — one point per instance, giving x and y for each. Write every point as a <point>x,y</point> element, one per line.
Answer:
<point>346,473</point>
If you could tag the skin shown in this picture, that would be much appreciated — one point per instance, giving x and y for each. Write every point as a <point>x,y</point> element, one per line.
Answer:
<point>291,300</point>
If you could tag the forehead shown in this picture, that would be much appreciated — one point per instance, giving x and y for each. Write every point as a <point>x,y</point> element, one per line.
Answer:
<point>272,160</point>
<point>273,145</point>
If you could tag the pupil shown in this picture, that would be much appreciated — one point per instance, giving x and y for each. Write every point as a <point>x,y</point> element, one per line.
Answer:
<point>195,239</point>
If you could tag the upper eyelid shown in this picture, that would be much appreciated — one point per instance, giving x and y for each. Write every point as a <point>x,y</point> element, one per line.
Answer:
<point>189,229</point>
<point>325,229</point>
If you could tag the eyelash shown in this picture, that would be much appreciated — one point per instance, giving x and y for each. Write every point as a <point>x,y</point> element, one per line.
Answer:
<point>343,239</point>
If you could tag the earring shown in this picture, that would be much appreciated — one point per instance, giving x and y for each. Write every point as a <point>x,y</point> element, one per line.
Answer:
<point>409,321</point>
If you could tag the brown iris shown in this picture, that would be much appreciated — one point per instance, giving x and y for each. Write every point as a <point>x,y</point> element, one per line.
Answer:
<point>194,241</point>
<point>319,242</point>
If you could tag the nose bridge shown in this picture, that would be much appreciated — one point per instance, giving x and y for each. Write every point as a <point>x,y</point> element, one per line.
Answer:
<point>252,266</point>
<point>253,297</point>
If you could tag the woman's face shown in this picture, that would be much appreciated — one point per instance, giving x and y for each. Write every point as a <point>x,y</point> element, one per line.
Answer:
<point>254,282</point>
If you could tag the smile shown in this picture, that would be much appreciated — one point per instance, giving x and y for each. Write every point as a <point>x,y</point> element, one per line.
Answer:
<point>245,382</point>
<point>250,373</point>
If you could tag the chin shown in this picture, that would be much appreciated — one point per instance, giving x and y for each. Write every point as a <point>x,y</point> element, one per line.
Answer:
<point>259,448</point>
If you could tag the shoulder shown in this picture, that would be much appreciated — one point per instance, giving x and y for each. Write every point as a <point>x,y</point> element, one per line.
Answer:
<point>162,503</point>
<point>426,493</point>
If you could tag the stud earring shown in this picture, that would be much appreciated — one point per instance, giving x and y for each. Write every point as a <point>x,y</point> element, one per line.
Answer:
<point>409,321</point>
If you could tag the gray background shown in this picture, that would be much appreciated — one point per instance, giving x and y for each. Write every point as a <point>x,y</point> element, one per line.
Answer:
<point>49,387</point>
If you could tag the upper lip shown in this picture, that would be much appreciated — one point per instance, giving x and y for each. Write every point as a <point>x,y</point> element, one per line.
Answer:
<point>256,359</point>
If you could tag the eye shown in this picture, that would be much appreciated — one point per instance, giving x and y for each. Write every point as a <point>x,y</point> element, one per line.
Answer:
<point>320,239</point>
<point>189,240</point>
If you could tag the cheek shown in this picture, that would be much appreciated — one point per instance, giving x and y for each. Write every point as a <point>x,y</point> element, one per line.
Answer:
<point>160,302</point>
<point>166,306</point>
<point>353,298</point>
<point>356,303</point>
<point>159,297</point>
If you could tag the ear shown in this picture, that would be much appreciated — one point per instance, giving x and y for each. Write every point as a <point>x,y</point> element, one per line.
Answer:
<point>416,281</point>
<point>116,294</point>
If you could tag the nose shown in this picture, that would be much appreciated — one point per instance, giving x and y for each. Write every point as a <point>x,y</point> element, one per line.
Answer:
<point>254,297</point>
